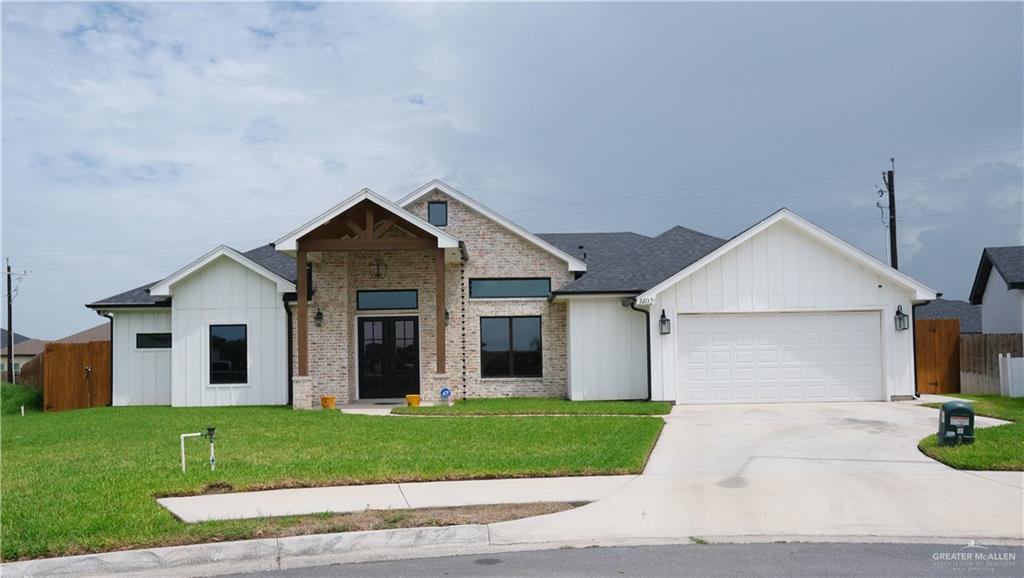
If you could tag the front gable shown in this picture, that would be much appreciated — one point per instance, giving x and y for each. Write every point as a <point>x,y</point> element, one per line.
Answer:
<point>215,259</point>
<point>785,261</point>
<point>481,220</point>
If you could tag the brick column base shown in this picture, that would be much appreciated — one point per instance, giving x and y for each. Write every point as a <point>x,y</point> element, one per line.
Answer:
<point>302,392</point>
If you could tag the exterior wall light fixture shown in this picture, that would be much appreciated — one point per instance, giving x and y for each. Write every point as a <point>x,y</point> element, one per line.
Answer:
<point>902,319</point>
<point>664,324</point>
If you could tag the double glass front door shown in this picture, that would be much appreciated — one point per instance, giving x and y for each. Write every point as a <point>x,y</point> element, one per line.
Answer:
<point>389,357</point>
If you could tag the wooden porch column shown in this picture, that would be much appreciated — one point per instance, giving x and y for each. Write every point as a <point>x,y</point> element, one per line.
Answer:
<point>439,289</point>
<point>302,319</point>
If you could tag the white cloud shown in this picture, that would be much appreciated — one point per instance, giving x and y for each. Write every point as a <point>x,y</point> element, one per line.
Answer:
<point>135,136</point>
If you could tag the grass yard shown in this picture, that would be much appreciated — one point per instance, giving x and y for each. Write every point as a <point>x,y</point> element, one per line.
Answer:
<point>540,406</point>
<point>82,481</point>
<point>994,448</point>
<point>13,396</point>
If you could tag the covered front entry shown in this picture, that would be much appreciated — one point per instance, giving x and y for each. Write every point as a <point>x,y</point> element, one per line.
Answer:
<point>389,359</point>
<point>780,357</point>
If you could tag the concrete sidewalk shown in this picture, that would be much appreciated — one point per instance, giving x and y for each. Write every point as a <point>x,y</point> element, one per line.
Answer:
<point>341,499</point>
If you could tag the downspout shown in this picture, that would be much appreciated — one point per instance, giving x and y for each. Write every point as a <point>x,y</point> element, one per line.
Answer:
<point>111,318</point>
<point>288,337</point>
<point>647,331</point>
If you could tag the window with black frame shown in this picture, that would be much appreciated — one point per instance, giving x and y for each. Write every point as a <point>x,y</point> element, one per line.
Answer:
<point>510,347</point>
<point>539,287</point>
<point>228,354</point>
<point>152,341</point>
<point>437,213</point>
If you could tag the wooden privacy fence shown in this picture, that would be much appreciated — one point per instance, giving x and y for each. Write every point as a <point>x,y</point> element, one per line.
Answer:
<point>32,372</point>
<point>979,359</point>
<point>937,355</point>
<point>76,375</point>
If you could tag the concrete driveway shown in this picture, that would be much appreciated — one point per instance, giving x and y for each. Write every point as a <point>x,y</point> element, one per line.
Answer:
<point>797,471</point>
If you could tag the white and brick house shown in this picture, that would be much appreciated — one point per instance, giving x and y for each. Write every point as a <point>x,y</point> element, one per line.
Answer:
<point>438,292</point>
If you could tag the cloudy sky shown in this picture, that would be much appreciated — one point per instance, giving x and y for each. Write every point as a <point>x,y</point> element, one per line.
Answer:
<point>137,137</point>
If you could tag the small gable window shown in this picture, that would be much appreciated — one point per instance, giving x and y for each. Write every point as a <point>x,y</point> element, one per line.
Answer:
<point>437,213</point>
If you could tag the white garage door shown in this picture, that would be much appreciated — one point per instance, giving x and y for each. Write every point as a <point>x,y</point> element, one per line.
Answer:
<point>779,357</point>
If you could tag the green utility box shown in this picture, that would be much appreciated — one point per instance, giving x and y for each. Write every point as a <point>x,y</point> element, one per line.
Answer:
<point>956,423</point>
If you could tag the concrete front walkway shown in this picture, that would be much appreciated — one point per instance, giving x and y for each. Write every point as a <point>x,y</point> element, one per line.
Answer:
<point>341,499</point>
<point>794,471</point>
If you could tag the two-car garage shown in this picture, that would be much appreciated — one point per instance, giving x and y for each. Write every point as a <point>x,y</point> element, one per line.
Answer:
<point>780,357</point>
<point>784,312</point>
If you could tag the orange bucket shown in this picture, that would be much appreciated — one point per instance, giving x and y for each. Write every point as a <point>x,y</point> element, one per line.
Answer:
<point>327,402</point>
<point>412,400</point>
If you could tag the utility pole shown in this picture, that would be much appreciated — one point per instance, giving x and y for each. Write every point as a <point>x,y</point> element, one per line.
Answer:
<point>890,183</point>
<point>10,328</point>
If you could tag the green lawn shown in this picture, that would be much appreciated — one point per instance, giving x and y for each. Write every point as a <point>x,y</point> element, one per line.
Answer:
<point>13,396</point>
<point>539,406</point>
<point>85,480</point>
<point>994,448</point>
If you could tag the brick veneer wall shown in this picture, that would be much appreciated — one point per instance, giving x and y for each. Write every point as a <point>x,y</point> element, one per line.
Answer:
<point>494,252</point>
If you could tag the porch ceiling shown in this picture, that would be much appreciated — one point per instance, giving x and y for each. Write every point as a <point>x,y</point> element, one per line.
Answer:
<point>362,220</point>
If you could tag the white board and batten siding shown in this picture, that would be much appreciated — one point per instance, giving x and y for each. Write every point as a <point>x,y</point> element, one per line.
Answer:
<point>140,376</point>
<point>785,274</point>
<point>607,350</point>
<point>225,292</point>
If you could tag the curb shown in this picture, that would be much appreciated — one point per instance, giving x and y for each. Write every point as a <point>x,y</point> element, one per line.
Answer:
<point>265,554</point>
<point>314,550</point>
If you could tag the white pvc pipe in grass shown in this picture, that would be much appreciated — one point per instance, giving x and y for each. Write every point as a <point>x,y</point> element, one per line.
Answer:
<point>183,436</point>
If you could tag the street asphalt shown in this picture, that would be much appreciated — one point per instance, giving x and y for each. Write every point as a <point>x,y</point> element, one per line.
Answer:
<point>780,559</point>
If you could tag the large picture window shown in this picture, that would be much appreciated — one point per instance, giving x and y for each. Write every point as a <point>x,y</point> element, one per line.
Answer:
<point>152,341</point>
<point>388,299</point>
<point>228,355</point>
<point>510,347</point>
<point>508,288</point>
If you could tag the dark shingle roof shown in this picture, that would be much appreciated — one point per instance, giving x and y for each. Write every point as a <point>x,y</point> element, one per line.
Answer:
<point>274,260</point>
<point>1009,261</point>
<point>647,264</point>
<point>265,255</point>
<point>138,297</point>
<point>600,248</point>
<point>969,315</point>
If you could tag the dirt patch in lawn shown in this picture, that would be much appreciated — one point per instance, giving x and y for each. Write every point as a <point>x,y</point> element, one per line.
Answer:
<point>419,518</point>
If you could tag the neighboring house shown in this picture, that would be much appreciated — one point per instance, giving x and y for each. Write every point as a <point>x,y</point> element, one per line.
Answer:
<point>99,333</point>
<point>968,315</point>
<point>439,292</point>
<point>24,351</point>
<point>999,289</point>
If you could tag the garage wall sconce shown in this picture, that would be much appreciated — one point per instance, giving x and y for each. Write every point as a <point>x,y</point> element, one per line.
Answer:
<point>664,324</point>
<point>902,319</point>
<point>318,317</point>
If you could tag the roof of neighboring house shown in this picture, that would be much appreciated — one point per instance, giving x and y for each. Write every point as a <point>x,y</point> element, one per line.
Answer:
<point>969,315</point>
<point>1009,261</point>
<point>647,263</point>
<point>27,347</point>
<point>99,333</point>
<point>596,249</point>
<point>18,338</point>
<point>265,255</point>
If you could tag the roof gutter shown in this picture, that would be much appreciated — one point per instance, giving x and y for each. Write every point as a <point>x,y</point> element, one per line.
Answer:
<point>647,331</point>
